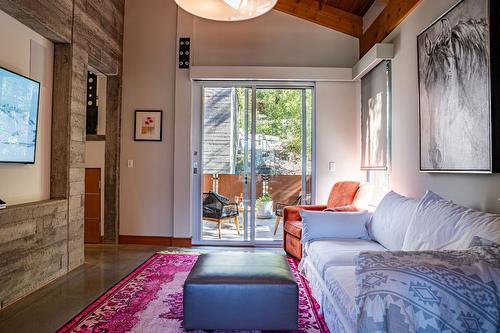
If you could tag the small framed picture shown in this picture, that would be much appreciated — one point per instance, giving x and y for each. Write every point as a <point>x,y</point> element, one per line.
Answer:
<point>148,125</point>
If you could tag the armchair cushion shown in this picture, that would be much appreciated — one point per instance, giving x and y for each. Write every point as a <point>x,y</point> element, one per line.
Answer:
<point>342,194</point>
<point>348,208</point>
<point>294,228</point>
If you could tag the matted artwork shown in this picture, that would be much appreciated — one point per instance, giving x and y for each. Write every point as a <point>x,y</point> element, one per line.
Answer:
<point>455,91</point>
<point>148,125</point>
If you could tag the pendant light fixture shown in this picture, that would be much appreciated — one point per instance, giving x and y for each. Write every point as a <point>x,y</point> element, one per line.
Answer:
<point>227,10</point>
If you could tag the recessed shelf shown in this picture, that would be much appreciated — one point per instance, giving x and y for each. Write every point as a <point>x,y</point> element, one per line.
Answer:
<point>93,137</point>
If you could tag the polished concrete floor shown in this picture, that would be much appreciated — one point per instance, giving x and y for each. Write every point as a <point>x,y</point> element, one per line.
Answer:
<point>52,306</point>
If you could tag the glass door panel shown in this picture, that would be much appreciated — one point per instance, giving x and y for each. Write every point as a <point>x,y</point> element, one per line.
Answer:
<point>283,156</point>
<point>226,157</point>
<point>256,158</point>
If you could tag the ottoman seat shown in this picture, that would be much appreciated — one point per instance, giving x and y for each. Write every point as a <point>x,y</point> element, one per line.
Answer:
<point>241,291</point>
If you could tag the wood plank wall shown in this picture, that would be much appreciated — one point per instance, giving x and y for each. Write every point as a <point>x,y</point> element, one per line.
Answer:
<point>98,29</point>
<point>33,247</point>
<point>52,19</point>
<point>86,33</point>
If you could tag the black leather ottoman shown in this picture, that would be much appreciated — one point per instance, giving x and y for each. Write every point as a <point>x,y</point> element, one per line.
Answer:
<point>241,291</point>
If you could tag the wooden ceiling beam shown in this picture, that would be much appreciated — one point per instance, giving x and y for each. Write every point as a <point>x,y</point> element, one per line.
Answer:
<point>323,14</point>
<point>393,14</point>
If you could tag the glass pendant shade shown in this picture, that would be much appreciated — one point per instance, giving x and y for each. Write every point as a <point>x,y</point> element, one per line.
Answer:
<point>227,10</point>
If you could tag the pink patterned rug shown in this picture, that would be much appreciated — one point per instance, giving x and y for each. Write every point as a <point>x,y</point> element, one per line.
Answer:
<point>150,300</point>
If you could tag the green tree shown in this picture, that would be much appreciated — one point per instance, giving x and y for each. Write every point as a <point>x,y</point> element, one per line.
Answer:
<point>279,114</point>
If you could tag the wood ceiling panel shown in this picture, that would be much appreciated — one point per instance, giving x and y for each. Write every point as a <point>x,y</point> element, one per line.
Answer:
<point>347,16</point>
<point>323,14</point>
<point>356,7</point>
<point>386,22</point>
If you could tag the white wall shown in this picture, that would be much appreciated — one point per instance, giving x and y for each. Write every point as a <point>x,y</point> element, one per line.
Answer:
<point>183,179</point>
<point>476,191</point>
<point>337,137</point>
<point>149,62</point>
<point>275,39</point>
<point>148,195</point>
<point>28,183</point>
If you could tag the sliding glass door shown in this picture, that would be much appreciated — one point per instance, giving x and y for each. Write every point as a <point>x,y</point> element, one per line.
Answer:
<point>226,163</point>
<point>283,156</point>
<point>256,158</point>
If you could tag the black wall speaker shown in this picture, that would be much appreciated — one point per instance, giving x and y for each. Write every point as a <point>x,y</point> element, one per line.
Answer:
<point>184,52</point>
<point>92,111</point>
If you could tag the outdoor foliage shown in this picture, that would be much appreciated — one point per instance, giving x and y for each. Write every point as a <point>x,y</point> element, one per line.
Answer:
<point>279,116</point>
<point>265,198</point>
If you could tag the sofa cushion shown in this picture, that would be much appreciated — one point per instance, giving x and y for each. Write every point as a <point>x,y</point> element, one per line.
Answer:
<point>318,225</point>
<point>337,252</point>
<point>364,197</point>
<point>440,224</point>
<point>294,228</point>
<point>292,213</point>
<point>391,219</point>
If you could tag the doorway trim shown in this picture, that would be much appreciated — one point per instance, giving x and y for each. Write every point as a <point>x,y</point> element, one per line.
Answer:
<point>197,152</point>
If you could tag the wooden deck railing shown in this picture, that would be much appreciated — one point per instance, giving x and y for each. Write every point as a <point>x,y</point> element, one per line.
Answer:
<point>282,188</point>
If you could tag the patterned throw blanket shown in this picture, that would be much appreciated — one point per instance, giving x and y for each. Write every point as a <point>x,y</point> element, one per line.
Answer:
<point>431,291</point>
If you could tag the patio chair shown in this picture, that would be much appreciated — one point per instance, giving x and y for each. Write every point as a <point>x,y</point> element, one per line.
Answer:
<point>279,211</point>
<point>217,208</point>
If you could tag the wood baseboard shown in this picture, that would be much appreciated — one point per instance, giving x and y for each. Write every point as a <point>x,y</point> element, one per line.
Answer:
<point>182,242</point>
<point>155,240</point>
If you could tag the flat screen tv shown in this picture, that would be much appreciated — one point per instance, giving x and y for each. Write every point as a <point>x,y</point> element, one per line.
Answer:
<point>19,97</point>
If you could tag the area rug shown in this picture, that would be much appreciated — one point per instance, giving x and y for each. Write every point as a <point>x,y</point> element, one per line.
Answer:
<point>150,300</point>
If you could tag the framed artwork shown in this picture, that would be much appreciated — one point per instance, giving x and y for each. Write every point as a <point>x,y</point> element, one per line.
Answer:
<point>458,90</point>
<point>148,125</point>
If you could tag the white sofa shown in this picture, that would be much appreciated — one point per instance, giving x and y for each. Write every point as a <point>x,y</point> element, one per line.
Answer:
<point>398,223</point>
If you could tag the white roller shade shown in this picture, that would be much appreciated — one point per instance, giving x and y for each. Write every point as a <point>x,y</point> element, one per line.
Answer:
<point>375,118</point>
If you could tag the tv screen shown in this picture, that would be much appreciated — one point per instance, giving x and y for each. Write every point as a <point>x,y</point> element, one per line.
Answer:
<point>19,97</point>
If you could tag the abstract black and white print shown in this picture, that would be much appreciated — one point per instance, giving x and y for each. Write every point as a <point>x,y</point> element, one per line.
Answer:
<point>454,87</point>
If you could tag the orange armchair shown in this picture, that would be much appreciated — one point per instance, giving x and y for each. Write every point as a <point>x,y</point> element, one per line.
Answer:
<point>341,198</point>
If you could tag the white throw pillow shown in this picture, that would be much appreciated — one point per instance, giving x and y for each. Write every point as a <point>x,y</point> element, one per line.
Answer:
<point>440,224</point>
<point>391,219</point>
<point>319,225</point>
<point>364,197</point>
